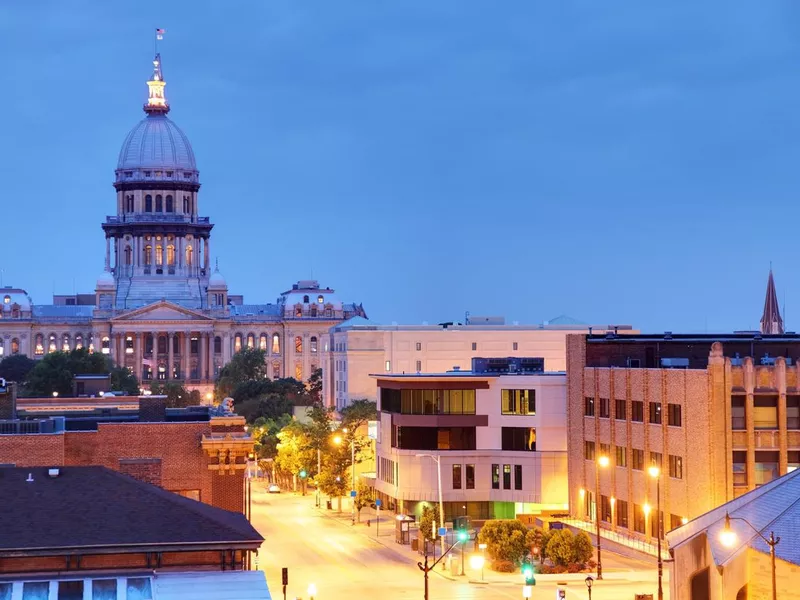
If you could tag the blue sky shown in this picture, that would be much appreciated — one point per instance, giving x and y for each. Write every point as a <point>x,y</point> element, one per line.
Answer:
<point>618,162</point>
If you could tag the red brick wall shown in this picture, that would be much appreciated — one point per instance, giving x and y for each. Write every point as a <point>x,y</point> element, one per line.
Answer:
<point>228,490</point>
<point>143,469</point>
<point>40,450</point>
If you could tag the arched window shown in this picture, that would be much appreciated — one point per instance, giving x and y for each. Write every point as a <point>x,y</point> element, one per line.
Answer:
<point>186,204</point>
<point>38,347</point>
<point>313,343</point>
<point>148,203</point>
<point>298,371</point>
<point>2,348</point>
<point>90,342</point>
<point>15,346</point>
<point>262,342</point>
<point>159,203</point>
<point>6,299</point>
<point>162,345</point>
<point>298,344</point>
<point>15,311</point>
<point>128,344</point>
<point>305,299</point>
<point>105,347</point>
<point>170,204</point>
<point>51,343</point>
<point>298,311</point>
<point>320,299</point>
<point>217,345</point>
<point>159,255</point>
<point>171,255</point>
<point>128,255</point>
<point>276,343</point>
<point>276,370</point>
<point>251,340</point>
<point>65,343</point>
<point>78,341</point>
<point>148,255</point>
<point>237,342</point>
<point>188,256</point>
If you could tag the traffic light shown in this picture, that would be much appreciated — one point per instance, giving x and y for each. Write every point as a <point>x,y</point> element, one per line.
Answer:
<point>303,474</point>
<point>285,575</point>
<point>463,536</point>
<point>527,573</point>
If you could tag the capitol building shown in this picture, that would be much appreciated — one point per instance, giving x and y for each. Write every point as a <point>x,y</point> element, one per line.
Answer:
<point>159,308</point>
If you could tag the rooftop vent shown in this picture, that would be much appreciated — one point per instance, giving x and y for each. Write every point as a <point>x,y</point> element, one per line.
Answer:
<point>30,478</point>
<point>667,335</point>
<point>456,368</point>
<point>53,473</point>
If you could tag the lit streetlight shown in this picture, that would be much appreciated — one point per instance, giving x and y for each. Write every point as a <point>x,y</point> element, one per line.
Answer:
<point>476,562</point>
<point>655,473</point>
<point>602,462</point>
<point>589,582</point>
<point>312,590</point>
<point>728,538</point>
<point>437,459</point>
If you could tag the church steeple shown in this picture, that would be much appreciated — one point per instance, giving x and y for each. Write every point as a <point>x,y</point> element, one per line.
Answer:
<point>771,321</point>
<point>157,101</point>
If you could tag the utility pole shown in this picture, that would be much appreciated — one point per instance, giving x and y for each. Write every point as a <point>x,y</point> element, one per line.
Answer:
<point>426,568</point>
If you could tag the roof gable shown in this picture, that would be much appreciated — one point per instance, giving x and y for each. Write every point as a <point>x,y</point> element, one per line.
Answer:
<point>162,311</point>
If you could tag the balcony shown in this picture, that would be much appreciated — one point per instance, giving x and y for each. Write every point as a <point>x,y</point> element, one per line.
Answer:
<point>155,218</point>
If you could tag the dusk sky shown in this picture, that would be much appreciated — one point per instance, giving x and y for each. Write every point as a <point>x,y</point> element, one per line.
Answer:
<point>618,162</point>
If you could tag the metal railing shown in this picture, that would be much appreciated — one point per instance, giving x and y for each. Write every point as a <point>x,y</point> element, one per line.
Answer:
<point>155,218</point>
<point>618,538</point>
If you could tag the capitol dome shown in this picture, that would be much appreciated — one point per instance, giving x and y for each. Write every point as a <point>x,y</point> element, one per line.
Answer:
<point>156,143</point>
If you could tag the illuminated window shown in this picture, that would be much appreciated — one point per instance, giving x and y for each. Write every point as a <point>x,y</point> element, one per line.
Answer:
<point>148,203</point>
<point>51,343</point>
<point>159,255</point>
<point>171,255</point>
<point>78,341</point>
<point>262,342</point>
<point>170,204</point>
<point>147,255</point>
<point>188,256</point>
<point>298,372</point>
<point>15,346</point>
<point>313,344</point>
<point>298,311</point>
<point>128,344</point>
<point>388,366</point>
<point>106,345</point>
<point>2,348</point>
<point>276,343</point>
<point>276,370</point>
<point>251,340</point>
<point>38,348</point>
<point>159,203</point>
<point>6,299</point>
<point>237,342</point>
<point>65,343</point>
<point>320,299</point>
<point>298,345</point>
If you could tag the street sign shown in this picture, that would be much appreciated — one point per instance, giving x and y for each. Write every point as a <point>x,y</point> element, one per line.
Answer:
<point>378,502</point>
<point>442,531</point>
<point>352,493</point>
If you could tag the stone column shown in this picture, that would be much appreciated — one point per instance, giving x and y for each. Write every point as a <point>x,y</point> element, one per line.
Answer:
<point>108,253</point>
<point>179,255</point>
<point>211,354</point>
<point>186,354</point>
<point>139,353</point>
<point>154,370</point>
<point>205,255</point>
<point>152,254</point>
<point>203,358</point>
<point>121,349</point>
<point>170,351</point>
<point>226,347</point>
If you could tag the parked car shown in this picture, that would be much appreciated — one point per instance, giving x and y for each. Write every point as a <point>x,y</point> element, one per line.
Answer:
<point>274,489</point>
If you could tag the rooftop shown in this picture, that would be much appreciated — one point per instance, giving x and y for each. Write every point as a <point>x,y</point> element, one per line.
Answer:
<point>45,510</point>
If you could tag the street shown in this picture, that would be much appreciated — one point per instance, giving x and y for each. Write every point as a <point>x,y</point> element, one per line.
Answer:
<point>346,562</point>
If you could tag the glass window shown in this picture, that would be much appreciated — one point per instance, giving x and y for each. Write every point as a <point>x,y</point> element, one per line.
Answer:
<point>70,590</point>
<point>470,477</point>
<point>104,589</point>
<point>388,366</point>
<point>656,458</point>
<point>620,410</point>
<point>469,402</point>
<point>792,411</point>
<point>674,415</point>
<point>251,340</point>
<point>276,343</point>
<point>517,477</point>
<point>419,346</point>
<point>506,477</point>
<point>298,344</point>
<point>588,407</point>
<point>276,370</point>
<point>655,413</point>
<point>605,509</point>
<point>36,590</point>
<point>637,411</point>
<point>518,402</point>
<point>313,343</point>
<point>237,342</point>
<point>298,371</point>
<point>5,591</point>
<point>622,513</point>
<point>765,412</point>
<point>766,467</point>
<point>637,459</point>
<point>739,468</point>
<point>675,466</point>
<point>474,345</point>
<point>638,518</point>
<point>495,477</point>
<point>456,477</point>
<point>148,203</point>
<point>138,588</point>
<point>621,456</point>
<point>456,402</point>
<point>738,413</point>
<point>518,439</point>
<point>604,408</point>
<point>588,450</point>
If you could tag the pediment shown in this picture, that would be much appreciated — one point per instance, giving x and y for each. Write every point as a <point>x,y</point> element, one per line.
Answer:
<point>162,311</point>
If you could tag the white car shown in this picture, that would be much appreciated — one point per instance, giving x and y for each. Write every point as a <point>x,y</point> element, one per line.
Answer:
<point>274,489</point>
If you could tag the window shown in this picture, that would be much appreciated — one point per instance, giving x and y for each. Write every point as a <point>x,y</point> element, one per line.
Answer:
<point>675,467</point>
<point>515,346</point>
<point>419,346</point>
<point>276,343</point>
<point>674,415</point>
<point>622,513</point>
<point>637,459</point>
<point>766,467</point>
<point>104,589</point>
<point>298,372</point>
<point>621,456</point>
<point>188,256</point>
<point>138,588</point>
<point>792,411</point>
<point>148,203</point>
<point>765,412</point>
<point>518,402</point>
<point>605,509</point>
<point>474,345</point>
<point>170,204</point>
<point>588,407</point>
<point>456,477</point>
<point>426,402</point>
<point>588,450</point>
<point>36,590</point>
<point>419,366</point>
<point>276,370</point>
<point>519,439</point>
<point>159,203</point>
<point>298,312</point>
<point>656,458</point>
<point>738,413</point>
<point>638,518</point>
<point>604,408</point>
<point>262,342</point>
<point>517,477</point>
<point>620,410</point>
<point>637,411</point>
<point>655,413</point>
<point>65,342</point>
<point>298,344</point>
<point>237,342</point>
<point>39,346</point>
<point>495,477</point>
<point>605,450</point>
<point>313,344</point>
<point>470,477</point>
<point>320,299</point>
<point>5,591</point>
<point>51,343</point>
<point>506,477</point>
<point>15,346</point>
<point>739,468</point>
<point>70,590</point>
<point>251,340</point>
<point>171,255</point>
<point>388,366</point>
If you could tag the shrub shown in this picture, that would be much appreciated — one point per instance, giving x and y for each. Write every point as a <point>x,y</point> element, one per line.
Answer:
<point>564,548</point>
<point>591,564</point>
<point>506,540</point>
<point>574,568</point>
<point>504,566</point>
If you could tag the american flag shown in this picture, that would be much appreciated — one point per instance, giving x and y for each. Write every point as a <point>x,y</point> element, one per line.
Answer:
<point>159,34</point>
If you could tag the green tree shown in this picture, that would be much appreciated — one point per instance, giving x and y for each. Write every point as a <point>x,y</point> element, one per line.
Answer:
<point>246,365</point>
<point>265,432</point>
<point>55,372</point>
<point>364,497</point>
<point>122,380</point>
<point>537,539</point>
<point>314,386</point>
<point>358,413</point>
<point>426,518</point>
<point>294,451</point>
<point>16,368</point>
<point>564,548</point>
<point>506,540</point>
<point>177,395</point>
<point>334,479</point>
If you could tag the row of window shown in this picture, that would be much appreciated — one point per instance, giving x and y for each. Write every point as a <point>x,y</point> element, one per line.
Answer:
<point>159,174</point>
<point>766,466</point>
<point>155,254</point>
<point>14,347</point>
<point>615,511</point>
<point>134,588</point>
<point>637,458</point>
<point>602,407</point>
<point>507,477</point>
<point>765,412</point>
<point>275,347</point>
<point>66,343</point>
<point>387,470</point>
<point>162,204</point>
<point>428,402</point>
<point>470,477</point>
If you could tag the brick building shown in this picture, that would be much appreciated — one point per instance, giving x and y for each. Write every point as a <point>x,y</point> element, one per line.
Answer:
<point>719,414</point>
<point>194,452</point>
<point>88,532</point>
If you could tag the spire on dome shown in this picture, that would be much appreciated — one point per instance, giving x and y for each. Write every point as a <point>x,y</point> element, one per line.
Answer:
<point>771,321</point>
<point>157,101</point>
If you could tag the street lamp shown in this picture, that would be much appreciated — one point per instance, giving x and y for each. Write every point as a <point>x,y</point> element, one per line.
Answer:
<point>441,504</point>
<point>589,582</point>
<point>312,590</point>
<point>482,548</point>
<point>602,462</point>
<point>462,537</point>
<point>476,562</point>
<point>655,473</point>
<point>728,538</point>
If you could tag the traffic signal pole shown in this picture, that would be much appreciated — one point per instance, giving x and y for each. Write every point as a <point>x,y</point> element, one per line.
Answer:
<point>426,568</point>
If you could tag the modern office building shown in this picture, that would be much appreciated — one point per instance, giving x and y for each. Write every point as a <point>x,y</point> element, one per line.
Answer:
<point>497,432</point>
<point>360,347</point>
<point>719,414</point>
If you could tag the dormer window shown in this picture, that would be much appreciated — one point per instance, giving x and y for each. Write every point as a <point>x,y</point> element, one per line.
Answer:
<point>305,299</point>
<point>320,299</point>
<point>187,175</point>
<point>7,299</point>
<point>128,174</point>
<point>169,173</point>
<point>147,173</point>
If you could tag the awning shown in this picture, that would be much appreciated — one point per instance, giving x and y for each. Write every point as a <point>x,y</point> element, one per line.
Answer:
<point>212,585</point>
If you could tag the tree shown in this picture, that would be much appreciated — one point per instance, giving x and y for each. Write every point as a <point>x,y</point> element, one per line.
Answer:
<point>314,386</point>
<point>16,368</point>
<point>123,380</point>
<point>247,364</point>
<point>537,539</point>
<point>364,497</point>
<point>358,413</point>
<point>506,540</point>
<point>426,519</point>
<point>177,395</point>
<point>564,548</point>
<point>293,451</point>
<point>55,372</point>
<point>334,479</point>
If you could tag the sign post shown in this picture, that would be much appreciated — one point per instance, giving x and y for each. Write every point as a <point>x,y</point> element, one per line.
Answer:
<point>377,517</point>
